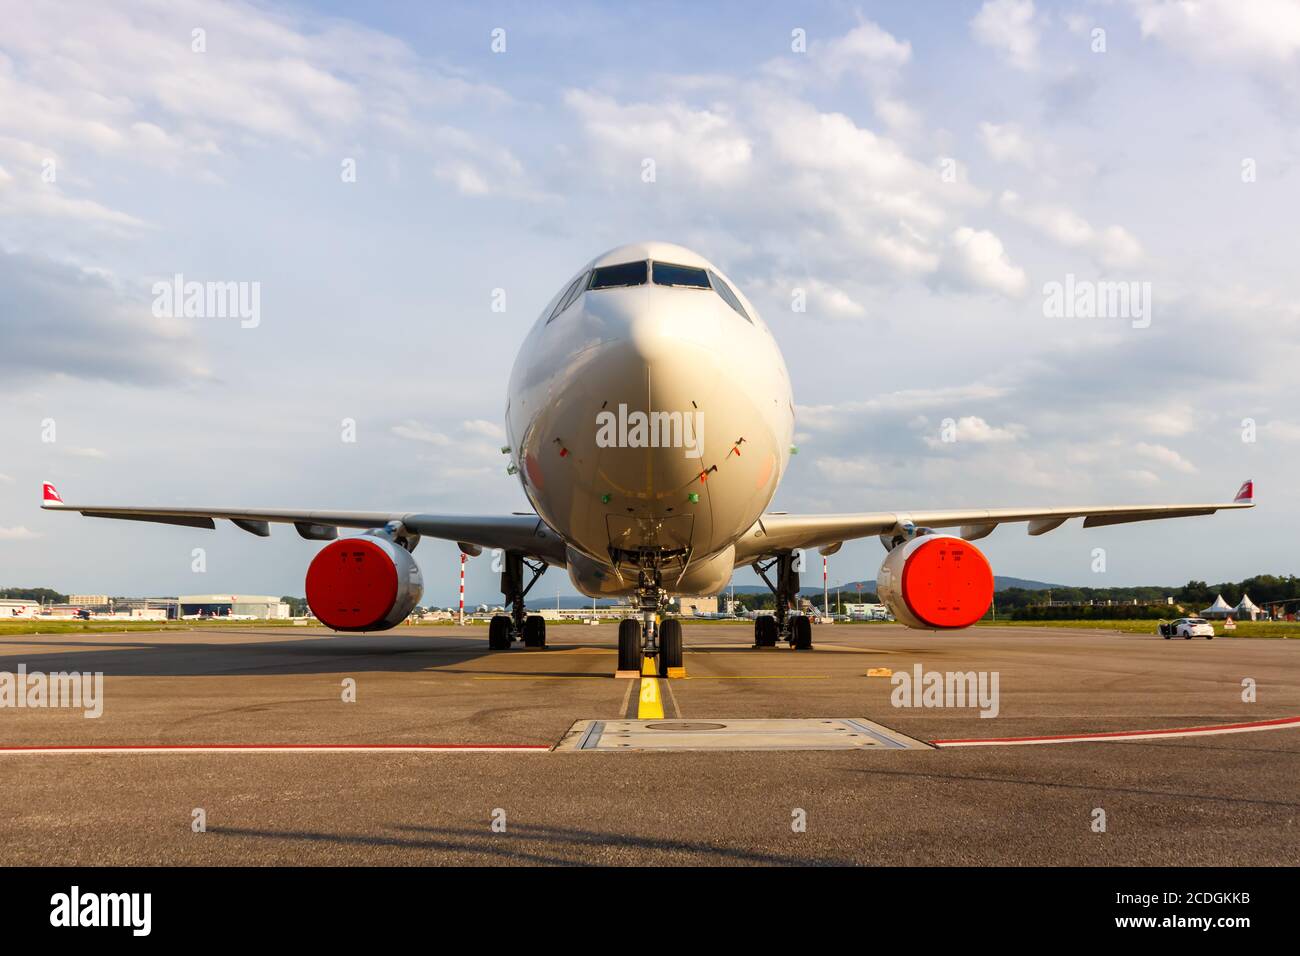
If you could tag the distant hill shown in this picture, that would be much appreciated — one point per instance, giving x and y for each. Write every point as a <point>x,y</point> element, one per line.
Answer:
<point>1000,583</point>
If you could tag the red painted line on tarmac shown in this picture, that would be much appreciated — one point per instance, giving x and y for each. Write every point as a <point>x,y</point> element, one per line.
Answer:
<point>1279,723</point>
<point>272,748</point>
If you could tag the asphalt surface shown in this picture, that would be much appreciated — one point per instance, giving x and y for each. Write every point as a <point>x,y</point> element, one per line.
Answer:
<point>1228,799</point>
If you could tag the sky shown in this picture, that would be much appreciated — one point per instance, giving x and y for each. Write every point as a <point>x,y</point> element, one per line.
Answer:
<point>897,187</point>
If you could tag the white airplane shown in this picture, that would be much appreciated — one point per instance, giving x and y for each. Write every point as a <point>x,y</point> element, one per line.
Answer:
<point>649,416</point>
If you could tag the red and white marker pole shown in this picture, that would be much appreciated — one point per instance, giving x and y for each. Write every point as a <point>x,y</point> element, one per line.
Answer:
<point>826,591</point>
<point>462,589</point>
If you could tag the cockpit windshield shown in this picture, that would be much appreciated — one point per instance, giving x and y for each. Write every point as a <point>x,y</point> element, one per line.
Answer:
<point>623,274</point>
<point>687,276</point>
<point>626,274</point>
<point>728,295</point>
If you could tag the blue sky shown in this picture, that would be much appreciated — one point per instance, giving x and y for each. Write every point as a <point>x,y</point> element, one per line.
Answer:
<point>919,171</point>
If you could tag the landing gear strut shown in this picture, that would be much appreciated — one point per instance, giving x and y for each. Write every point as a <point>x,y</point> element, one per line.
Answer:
<point>783,625</point>
<point>649,637</point>
<point>505,629</point>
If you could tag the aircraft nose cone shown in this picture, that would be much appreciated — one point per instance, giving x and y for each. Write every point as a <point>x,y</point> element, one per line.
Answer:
<point>665,335</point>
<point>654,323</point>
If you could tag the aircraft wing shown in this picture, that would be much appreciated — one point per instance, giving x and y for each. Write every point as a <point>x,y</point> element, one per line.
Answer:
<point>781,532</point>
<point>526,533</point>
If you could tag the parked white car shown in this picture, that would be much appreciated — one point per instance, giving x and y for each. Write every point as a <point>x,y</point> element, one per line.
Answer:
<point>1187,628</point>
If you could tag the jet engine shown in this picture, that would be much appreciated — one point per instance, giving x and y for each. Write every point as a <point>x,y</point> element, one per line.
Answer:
<point>936,581</point>
<point>366,583</point>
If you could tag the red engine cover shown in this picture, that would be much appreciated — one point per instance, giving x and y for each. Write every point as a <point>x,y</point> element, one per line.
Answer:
<point>947,582</point>
<point>352,585</point>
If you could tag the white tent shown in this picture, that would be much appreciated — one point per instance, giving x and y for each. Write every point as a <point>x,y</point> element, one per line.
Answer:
<point>1220,608</point>
<point>1247,608</point>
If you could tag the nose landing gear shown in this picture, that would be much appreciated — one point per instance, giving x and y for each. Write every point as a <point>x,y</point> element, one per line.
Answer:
<point>650,637</point>
<point>663,644</point>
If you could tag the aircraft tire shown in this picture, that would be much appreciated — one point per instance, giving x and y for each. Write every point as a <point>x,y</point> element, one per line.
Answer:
<point>534,631</point>
<point>670,645</point>
<point>801,633</point>
<point>629,645</point>
<point>499,633</point>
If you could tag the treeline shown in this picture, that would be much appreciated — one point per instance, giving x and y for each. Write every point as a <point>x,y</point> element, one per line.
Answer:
<point>1193,596</point>
<point>35,595</point>
<point>1092,612</point>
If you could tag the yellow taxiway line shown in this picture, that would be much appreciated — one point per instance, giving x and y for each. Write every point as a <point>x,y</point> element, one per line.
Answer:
<point>651,705</point>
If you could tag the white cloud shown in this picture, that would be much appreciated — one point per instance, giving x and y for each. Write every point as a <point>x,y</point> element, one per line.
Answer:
<point>481,426</point>
<point>1010,27</point>
<point>125,82</point>
<point>1174,421</point>
<point>1250,32</point>
<point>704,145</point>
<point>867,53</point>
<point>417,431</point>
<point>782,172</point>
<point>1007,143</point>
<point>1142,476</point>
<point>835,303</point>
<point>971,429</point>
<point>977,259</point>
<point>858,472</point>
<point>1165,456</point>
<point>822,417</point>
<point>865,44</point>
<point>1113,246</point>
<point>18,534</point>
<point>1281,430</point>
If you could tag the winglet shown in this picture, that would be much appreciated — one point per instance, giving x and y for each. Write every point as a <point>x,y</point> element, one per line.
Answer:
<point>1246,494</point>
<point>49,495</point>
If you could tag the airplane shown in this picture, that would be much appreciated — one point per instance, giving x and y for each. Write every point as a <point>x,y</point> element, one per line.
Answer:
<point>649,418</point>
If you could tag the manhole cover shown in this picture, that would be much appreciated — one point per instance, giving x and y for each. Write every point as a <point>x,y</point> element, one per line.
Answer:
<point>683,725</point>
<point>766,733</point>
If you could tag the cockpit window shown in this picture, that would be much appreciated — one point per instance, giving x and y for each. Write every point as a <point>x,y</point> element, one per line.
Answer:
<point>571,292</point>
<point>688,276</point>
<point>623,274</point>
<point>728,296</point>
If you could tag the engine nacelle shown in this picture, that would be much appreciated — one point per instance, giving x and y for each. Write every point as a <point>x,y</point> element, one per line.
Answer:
<point>936,581</point>
<point>366,583</point>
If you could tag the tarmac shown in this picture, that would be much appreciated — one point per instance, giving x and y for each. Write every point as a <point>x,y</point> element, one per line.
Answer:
<point>418,746</point>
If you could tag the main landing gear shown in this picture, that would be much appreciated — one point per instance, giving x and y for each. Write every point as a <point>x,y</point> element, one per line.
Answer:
<point>650,637</point>
<point>783,625</point>
<point>505,629</point>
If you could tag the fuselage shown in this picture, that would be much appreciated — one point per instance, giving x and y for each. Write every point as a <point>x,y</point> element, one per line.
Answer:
<point>649,412</point>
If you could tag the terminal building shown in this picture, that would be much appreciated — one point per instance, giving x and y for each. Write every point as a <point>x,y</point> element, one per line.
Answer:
<point>11,609</point>
<point>233,605</point>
